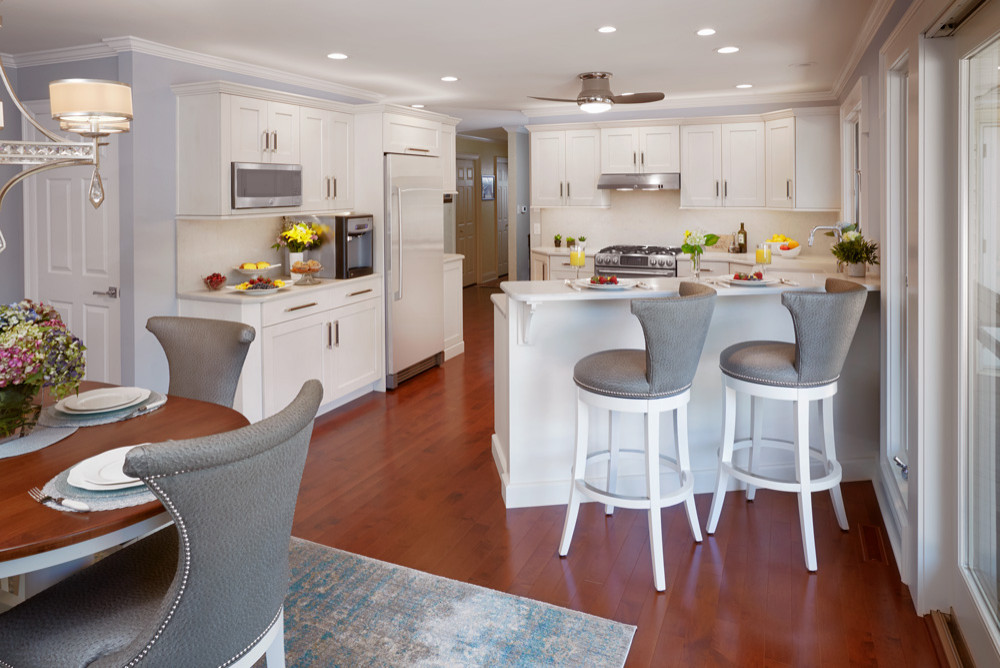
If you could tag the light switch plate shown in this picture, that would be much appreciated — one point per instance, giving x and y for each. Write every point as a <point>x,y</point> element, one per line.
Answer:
<point>537,228</point>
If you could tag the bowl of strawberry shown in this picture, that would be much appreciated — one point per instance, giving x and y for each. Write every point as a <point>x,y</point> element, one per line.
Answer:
<point>755,276</point>
<point>604,280</point>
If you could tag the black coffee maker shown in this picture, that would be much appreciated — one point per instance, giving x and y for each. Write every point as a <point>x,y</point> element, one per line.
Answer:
<point>353,237</point>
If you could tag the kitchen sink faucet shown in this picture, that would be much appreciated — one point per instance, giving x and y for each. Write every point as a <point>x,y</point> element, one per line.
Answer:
<point>836,228</point>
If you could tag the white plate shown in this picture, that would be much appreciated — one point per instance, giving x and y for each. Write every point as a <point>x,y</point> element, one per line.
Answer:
<point>102,400</point>
<point>256,272</point>
<point>739,283</point>
<point>623,284</point>
<point>103,472</point>
<point>258,292</point>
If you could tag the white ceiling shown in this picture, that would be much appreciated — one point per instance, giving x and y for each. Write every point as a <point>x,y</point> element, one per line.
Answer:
<point>502,52</point>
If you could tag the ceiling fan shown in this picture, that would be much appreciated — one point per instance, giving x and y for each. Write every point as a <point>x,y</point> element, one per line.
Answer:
<point>596,96</point>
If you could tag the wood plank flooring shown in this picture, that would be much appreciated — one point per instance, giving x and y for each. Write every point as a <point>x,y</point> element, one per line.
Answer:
<point>407,477</point>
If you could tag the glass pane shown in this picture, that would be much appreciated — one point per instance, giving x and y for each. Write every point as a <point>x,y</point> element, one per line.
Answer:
<point>983,145</point>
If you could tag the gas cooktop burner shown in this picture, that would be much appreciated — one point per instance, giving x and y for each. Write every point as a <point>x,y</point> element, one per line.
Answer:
<point>637,261</point>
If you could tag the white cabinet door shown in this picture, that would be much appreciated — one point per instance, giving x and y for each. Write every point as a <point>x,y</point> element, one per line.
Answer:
<point>283,125</point>
<point>353,342</point>
<point>316,156</point>
<point>250,138</point>
<point>342,160</point>
<point>701,165</point>
<point>291,353</point>
<point>548,168</point>
<point>817,164</point>
<point>583,168</point>
<point>743,164</point>
<point>619,150</point>
<point>659,150</point>
<point>560,269</point>
<point>410,134</point>
<point>779,146</point>
<point>448,158</point>
<point>453,330</point>
<point>539,266</point>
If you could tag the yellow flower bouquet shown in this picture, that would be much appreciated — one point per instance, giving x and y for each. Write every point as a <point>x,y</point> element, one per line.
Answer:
<point>300,237</point>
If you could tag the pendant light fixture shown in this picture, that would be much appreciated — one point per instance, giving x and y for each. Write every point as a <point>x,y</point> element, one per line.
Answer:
<point>91,108</point>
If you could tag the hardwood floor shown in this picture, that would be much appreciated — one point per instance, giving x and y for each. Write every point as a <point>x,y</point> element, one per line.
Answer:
<point>407,477</point>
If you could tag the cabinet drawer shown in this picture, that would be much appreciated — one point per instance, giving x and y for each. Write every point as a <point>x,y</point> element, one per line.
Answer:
<point>292,308</point>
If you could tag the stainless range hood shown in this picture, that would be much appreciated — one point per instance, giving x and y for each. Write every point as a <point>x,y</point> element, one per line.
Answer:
<point>670,181</point>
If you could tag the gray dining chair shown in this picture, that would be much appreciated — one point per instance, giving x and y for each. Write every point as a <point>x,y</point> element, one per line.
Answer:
<point>206,591</point>
<point>205,356</point>
<point>649,382</point>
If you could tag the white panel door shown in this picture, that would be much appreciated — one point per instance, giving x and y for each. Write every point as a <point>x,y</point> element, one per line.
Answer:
<point>283,124</point>
<point>248,125</point>
<point>503,217</point>
<point>548,168</point>
<point>583,168</point>
<point>354,347</point>
<point>780,150</point>
<point>342,160</point>
<point>316,156</point>
<point>73,253</point>
<point>743,164</point>
<point>659,149</point>
<point>292,353</point>
<point>701,165</point>
<point>619,150</point>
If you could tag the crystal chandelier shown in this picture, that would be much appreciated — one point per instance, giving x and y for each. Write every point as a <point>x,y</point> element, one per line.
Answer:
<point>91,108</point>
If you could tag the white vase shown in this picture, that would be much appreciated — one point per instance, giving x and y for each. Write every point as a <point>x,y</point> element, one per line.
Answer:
<point>856,269</point>
<point>292,259</point>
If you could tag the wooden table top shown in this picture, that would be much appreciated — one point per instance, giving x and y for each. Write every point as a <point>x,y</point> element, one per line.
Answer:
<point>28,528</point>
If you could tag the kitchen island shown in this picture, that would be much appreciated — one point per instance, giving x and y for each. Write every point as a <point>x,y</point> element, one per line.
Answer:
<point>542,328</point>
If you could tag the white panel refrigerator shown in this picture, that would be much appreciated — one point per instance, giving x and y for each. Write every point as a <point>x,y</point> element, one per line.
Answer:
<point>414,266</point>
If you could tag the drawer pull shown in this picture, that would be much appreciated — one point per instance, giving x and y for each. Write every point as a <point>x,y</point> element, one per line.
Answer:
<point>421,150</point>
<point>359,292</point>
<point>300,307</point>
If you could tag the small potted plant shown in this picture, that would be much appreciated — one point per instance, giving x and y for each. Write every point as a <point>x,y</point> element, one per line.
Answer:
<point>558,240</point>
<point>856,252</point>
<point>570,241</point>
<point>581,241</point>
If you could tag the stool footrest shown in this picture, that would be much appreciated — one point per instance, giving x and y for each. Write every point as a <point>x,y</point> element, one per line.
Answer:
<point>591,493</point>
<point>828,481</point>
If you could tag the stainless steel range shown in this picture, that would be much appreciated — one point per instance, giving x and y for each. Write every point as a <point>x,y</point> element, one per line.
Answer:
<point>637,261</point>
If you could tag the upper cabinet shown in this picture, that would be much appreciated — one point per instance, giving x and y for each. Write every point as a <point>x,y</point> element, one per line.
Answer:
<point>723,165</point>
<point>327,156</point>
<point>640,150</point>
<point>448,157</point>
<point>565,167</point>
<point>263,131</point>
<point>803,162</point>
<point>402,133</point>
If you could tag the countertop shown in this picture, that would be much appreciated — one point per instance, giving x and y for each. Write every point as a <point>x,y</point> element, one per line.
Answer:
<point>290,291</point>
<point>548,291</point>
<point>802,263</point>
<point>453,257</point>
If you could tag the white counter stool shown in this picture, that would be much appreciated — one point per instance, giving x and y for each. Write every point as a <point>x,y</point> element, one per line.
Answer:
<point>648,381</point>
<point>801,372</point>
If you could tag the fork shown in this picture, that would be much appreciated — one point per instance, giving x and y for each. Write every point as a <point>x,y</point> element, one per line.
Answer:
<point>41,497</point>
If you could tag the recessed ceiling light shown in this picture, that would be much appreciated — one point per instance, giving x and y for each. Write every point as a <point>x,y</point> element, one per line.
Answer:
<point>705,32</point>
<point>449,78</point>
<point>744,85</point>
<point>337,56</point>
<point>607,29</point>
<point>728,49</point>
<point>417,106</point>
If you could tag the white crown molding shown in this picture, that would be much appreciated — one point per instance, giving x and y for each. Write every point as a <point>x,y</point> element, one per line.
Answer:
<point>245,90</point>
<point>405,111</point>
<point>138,45</point>
<point>694,102</point>
<point>864,39</point>
<point>54,56</point>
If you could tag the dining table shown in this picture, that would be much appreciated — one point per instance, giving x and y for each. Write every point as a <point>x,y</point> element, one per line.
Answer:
<point>34,537</point>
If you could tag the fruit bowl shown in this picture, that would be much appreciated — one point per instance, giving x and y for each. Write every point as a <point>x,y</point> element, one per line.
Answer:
<point>257,270</point>
<point>215,281</point>
<point>791,252</point>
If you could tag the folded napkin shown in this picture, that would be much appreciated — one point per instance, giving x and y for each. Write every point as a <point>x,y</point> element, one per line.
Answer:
<point>51,417</point>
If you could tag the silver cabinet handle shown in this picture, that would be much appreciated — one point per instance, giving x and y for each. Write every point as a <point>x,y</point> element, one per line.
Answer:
<point>788,189</point>
<point>633,157</point>
<point>716,188</point>
<point>300,307</point>
<point>110,292</point>
<point>335,187</point>
<point>359,292</point>
<point>329,335</point>
<point>567,189</point>
<point>642,157</point>
<point>267,140</point>
<point>275,133</point>
<point>560,188</point>
<point>336,333</point>
<point>725,188</point>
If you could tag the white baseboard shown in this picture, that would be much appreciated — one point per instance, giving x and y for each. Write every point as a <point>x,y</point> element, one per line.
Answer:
<point>454,350</point>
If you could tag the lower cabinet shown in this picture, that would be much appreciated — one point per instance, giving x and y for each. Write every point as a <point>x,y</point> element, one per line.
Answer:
<point>454,337</point>
<point>337,347</point>
<point>548,267</point>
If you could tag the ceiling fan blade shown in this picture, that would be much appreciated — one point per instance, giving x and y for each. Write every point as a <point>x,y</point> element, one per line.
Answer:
<point>638,98</point>
<point>551,99</point>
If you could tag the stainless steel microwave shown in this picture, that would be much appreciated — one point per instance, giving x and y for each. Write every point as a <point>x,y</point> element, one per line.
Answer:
<point>258,185</point>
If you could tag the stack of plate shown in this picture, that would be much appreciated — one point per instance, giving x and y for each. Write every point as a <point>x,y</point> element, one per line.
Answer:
<point>103,400</point>
<point>103,472</point>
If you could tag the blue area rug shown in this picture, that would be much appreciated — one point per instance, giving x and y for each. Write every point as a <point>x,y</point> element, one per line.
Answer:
<point>343,609</point>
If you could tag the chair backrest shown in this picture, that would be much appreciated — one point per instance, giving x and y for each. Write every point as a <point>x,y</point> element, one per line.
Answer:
<point>675,329</point>
<point>232,497</point>
<point>824,324</point>
<point>205,356</point>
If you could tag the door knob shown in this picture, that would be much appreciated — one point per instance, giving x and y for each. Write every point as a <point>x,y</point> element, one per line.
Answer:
<point>110,292</point>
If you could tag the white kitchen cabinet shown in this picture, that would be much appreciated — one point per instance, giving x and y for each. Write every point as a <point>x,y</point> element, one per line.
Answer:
<point>327,155</point>
<point>803,162</point>
<point>640,150</point>
<point>565,167</point>
<point>450,184</point>
<point>709,268</point>
<point>548,265</point>
<point>402,133</point>
<point>723,165</point>
<point>263,131</point>
<point>292,353</point>
<point>352,344</point>
<point>454,341</point>
<point>539,266</point>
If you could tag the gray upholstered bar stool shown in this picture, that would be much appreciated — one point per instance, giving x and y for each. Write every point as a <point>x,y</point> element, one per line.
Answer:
<point>648,381</point>
<point>801,372</point>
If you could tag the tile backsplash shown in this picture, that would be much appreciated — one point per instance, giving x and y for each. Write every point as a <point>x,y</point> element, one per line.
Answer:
<point>207,246</point>
<point>655,218</point>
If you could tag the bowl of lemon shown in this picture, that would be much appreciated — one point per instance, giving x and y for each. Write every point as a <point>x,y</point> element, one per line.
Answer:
<point>784,246</point>
<point>255,268</point>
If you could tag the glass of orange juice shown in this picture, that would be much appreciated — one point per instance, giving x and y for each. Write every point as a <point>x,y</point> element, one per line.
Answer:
<point>763,256</point>
<point>577,258</point>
